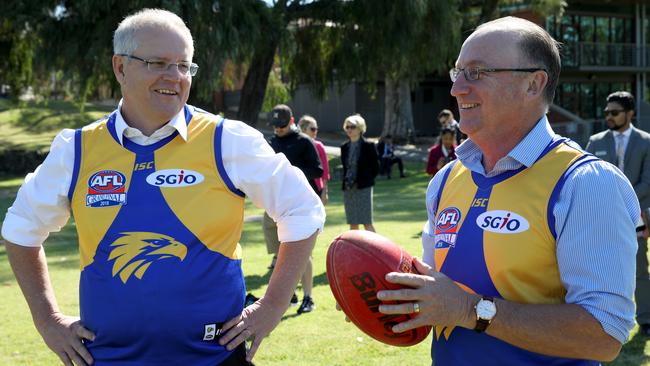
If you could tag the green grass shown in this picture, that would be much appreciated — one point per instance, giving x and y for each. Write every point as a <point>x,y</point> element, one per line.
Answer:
<point>318,338</point>
<point>33,125</point>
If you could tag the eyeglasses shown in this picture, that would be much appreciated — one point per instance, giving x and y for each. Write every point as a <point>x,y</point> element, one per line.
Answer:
<point>185,68</point>
<point>313,129</point>
<point>613,112</point>
<point>474,73</point>
<point>350,127</point>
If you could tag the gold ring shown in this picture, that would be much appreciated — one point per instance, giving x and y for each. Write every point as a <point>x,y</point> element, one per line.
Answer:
<point>416,307</point>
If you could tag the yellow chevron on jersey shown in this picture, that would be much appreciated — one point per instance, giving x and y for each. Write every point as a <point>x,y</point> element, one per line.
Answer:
<point>159,227</point>
<point>100,156</point>
<point>494,238</point>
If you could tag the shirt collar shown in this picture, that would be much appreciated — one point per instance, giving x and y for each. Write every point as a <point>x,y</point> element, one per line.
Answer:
<point>526,152</point>
<point>177,122</point>
<point>625,133</point>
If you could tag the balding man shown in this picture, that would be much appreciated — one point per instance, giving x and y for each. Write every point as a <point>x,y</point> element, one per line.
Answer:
<point>530,245</point>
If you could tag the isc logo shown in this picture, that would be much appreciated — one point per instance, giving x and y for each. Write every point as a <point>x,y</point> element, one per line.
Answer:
<point>448,219</point>
<point>503,222</point>
<point>174,178</point>
<point>106,181</point>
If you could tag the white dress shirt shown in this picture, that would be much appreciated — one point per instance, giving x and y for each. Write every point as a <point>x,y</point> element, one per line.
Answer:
<point>267,179</point>
<point>622,138</point>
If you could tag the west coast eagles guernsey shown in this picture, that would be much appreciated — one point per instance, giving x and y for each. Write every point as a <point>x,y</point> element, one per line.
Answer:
<point>158,228</point>
<point>496,239</point>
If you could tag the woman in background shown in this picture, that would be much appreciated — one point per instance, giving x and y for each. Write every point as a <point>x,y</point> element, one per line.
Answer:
<point>360,168</point>
<point>309,126</point>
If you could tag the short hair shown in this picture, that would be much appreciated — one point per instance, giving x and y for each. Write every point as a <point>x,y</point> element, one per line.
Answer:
<point>356,120</point>
<point>306,121</point>
<point>446,130</point>
<point>124,38</point>
<point>446,112</point>
<point>537,47</point>
<point>625,99</point>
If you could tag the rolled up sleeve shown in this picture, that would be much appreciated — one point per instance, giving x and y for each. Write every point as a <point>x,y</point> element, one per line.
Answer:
<point>41,206</point>
<point>271,182</point>
<point>596,214</point>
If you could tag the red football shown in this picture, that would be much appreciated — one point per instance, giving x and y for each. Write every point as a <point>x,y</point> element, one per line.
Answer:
<point>357,264</point>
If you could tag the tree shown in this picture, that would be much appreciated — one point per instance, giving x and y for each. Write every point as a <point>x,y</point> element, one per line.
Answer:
<point>371,40</point>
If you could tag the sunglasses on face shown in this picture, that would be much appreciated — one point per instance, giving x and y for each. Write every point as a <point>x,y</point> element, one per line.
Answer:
<point>350,127</point>
<point>613,112</point>
<point>313,129</point>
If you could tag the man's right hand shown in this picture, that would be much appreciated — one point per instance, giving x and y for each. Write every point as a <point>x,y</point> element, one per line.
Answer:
<point>64,335</point>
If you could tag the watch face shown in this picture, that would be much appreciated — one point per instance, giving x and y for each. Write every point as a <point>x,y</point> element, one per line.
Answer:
<point>486,309</point>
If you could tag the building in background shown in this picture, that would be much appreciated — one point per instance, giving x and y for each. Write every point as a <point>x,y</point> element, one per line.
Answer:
<point>605,48</point>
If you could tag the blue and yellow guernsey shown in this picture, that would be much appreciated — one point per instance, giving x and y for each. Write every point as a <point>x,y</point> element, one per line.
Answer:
<point>496,239</point>
<point>159,229</point>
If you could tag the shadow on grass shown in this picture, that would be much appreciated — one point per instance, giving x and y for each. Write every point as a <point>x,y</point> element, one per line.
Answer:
<point>255,282</point>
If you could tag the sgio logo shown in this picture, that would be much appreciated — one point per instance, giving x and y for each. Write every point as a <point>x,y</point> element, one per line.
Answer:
<point>174,178</point>
<point>503,222</point>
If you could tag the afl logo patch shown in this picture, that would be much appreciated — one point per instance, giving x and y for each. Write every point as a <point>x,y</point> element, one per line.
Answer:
<point>448,219</point>
<point>106,188</point>
<point>174,178</point>
<point>502,222</point>
<point>447,227</point>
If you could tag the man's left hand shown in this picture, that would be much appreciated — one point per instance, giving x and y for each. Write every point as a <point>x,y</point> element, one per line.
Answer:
<point>256,322</point>
<point>439,300</point>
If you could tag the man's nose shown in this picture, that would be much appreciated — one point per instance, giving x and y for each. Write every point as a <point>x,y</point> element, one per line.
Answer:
<point>460,86</point>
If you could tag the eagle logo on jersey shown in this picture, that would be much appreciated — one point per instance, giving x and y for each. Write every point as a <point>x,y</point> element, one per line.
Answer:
<point>134,252</point>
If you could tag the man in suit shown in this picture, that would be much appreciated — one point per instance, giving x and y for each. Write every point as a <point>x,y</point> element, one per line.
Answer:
<point>387,158</point>
<point>629,148</point>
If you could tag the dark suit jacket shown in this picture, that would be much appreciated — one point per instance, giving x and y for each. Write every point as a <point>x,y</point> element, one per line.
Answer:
<point>435,154</point>
<point>367,167</point>
<point>637,159</point>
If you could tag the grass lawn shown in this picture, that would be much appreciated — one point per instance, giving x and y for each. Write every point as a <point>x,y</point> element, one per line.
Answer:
<point>318,338</point>
<point>33,125</point>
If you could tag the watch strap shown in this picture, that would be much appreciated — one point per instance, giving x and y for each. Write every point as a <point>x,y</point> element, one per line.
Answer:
<point>482,324</point>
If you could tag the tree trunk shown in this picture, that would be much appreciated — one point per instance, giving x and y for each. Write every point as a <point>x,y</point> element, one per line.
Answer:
<point>398,111</point>
<point>252,93</point>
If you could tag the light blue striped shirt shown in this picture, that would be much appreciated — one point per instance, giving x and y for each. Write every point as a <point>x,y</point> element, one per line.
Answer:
<point>595,218</point>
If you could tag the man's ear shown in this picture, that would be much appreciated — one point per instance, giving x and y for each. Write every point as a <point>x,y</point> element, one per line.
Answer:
<point>118,68</point>
<point>537,83</point>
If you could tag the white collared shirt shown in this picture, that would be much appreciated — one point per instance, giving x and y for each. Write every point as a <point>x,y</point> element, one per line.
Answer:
<point>42,204</point>
<point>626,137</point>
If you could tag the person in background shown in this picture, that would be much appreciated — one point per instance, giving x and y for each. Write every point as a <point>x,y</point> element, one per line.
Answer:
<point>628,148</point>
<point>301,153</point>
<point>309,127</point>
<point>528,251</point>
<point>447,120</point>
<point>386,153</point>
<point>360,168</point>
<point>443,152</point>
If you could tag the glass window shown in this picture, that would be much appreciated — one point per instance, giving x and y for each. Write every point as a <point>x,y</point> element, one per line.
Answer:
<point>587,103</point>
<point>586,28</point>
<point>569,37</point>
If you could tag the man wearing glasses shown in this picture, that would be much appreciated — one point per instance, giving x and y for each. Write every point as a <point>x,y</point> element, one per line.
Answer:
<point>628,148</point>
<point>157,191</point>
<point>529,247</point>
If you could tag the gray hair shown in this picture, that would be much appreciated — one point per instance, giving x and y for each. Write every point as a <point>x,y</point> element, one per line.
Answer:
<point>356,120</point>
<point>306,121</point>
<point>124,40</point>
<point>536,46</point>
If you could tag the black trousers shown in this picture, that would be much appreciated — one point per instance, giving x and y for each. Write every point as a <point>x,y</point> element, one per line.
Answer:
<point>238,358</point>
<point>386,164</point>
